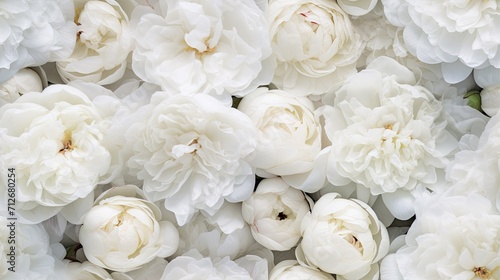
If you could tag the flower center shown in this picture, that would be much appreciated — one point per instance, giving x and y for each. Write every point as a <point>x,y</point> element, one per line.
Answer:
<point>281,216</point>
<point>482,272</point>
<point>67,144</point>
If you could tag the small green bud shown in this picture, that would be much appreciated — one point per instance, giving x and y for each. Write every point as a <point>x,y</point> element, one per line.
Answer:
<point>474,99</point>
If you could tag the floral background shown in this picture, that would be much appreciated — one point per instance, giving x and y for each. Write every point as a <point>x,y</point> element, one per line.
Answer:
<point>249,139</point>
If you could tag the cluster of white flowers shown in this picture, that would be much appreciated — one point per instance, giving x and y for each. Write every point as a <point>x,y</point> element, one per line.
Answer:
<point>249,139</point>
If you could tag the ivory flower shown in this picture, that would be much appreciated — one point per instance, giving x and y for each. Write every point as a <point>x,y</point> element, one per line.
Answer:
<point>123,231</point>
<point>274,212</point>
<point>193,46</point>
<point>289,132</point>
<point>432,30</point>
<point>357,7</point>
<point>291,270</point>
<point>192,152</point>
<point>388,134</point>
<point>452,238</point>
<point>343,237</point>
<point>102,45</point>
<point>192,265</point>
<point>315,45</point>
<point>55,140</point>
<point>24,81</point>
<point>34,32</point>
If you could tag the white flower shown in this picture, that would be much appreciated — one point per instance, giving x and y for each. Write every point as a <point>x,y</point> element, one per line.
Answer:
<point>291,270</point>
<point>433,28</point>
<point>212,238</point>
<point>32,257</point>
<point>197,46</point>
<point>477,171</point>
<point>315,45</point>
<point>55,140</point>
<point>192,265</point>
<point>24,81</point>
<point>34,32</point>
<point>289,132</point>
<point>193,152</point>
<point>122,231</point>
<point>343,237</point>
<point>274,212</point>
<point>452,238</point>
<point>102,45</point>
<point>490,100</point>
<point>387,133</point>
<point>357,7</point>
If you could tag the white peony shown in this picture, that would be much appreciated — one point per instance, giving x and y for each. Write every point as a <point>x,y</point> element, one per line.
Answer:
<point>123,232</point>
<point>343,237</point>
<point>193,46</point>
<point>291,270</point>
<point>25,251</point>
<point>103,43</point>
<point>55,140</point>
<point>315,45</point>
<point>193,152</point>
<point>387,135</point>
<point>289,132</point>
<point>224,234</point>
<point>34,32</point>
<point>193,265</point>
<point>357,7</point>
<point>24,81</point>
<point>274,213</point>
<point>453,237</point>
<point>433,28</point>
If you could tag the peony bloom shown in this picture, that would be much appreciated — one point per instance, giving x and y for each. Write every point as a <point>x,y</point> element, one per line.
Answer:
<point>357,7</point>
<point>34,33</point>
<point>453,237</point>
<point>193,46</point>
<point>289,132</point>
<point>343,237</point>
<point>56,141</point>
<point>33,258</point>
<point>24,81</point>
<point>123,232</point>
<point>433,28</point>
<point>193,265</point>
<point>387,135</point>
<point>291,270</point>
<point>274,212</point>
<point>315,45</point>
<point>102,45</point>
<point>193,152</point>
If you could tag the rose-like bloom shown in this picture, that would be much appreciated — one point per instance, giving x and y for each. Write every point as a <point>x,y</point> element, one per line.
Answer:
<point>34,33</point>
<point>196,46</point>
<point>24,81</point>
<point>102,45</point>
<point>453,237</point>
<point>123,231</point>
<point>289,132</point>
<point>490,100</point>
<point>193,265</point>
<point>225,234</point>
<point>193,152</point>
<point>357,7</point>
<point>55,140</point>
<point>291,270</point>
<point>274,212</point>
<point>32,258</point>
<point>433,28</point>
<point>343,237</point>
<point>387,134</point>
<point>478,171</point>
<point>315,45</point>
